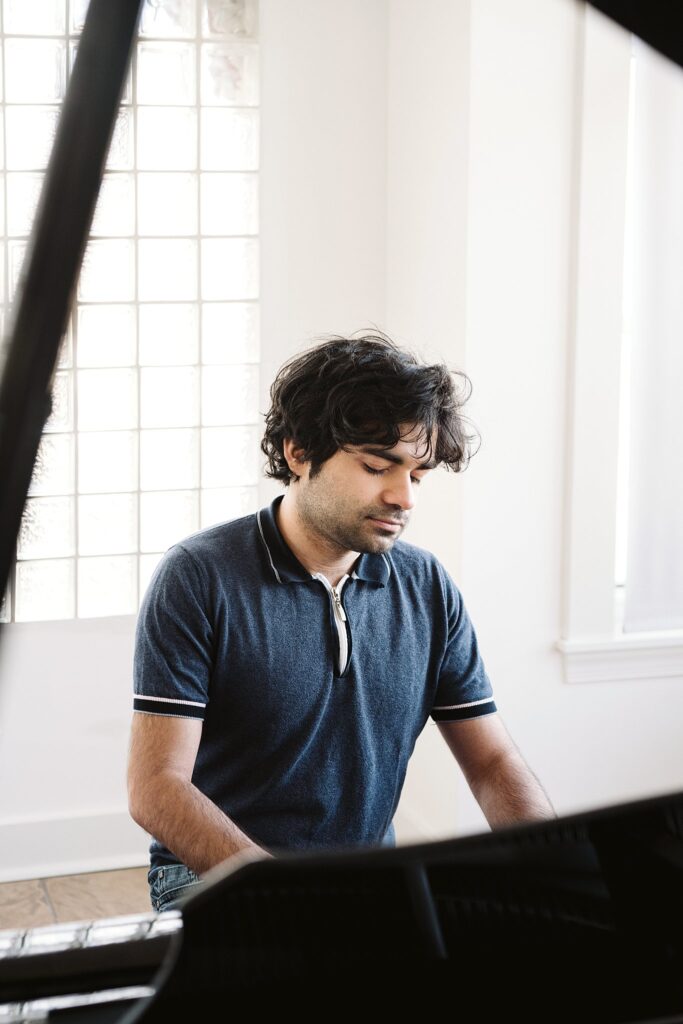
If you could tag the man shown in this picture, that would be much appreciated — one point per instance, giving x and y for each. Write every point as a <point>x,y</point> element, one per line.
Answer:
<point>286,662</point>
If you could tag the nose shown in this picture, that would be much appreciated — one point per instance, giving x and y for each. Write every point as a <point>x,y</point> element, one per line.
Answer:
<point>400,492</point>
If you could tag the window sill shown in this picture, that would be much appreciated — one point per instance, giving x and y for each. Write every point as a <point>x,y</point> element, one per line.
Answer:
<point>633,656</point>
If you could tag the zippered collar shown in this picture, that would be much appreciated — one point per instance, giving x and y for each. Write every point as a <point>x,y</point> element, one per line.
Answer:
<point>373,568</point>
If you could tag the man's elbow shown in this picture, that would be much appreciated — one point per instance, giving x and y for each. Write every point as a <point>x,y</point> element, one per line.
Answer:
<point>137,805</point>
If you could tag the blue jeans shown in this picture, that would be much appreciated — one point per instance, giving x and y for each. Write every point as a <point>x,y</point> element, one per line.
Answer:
<point>169,884</point>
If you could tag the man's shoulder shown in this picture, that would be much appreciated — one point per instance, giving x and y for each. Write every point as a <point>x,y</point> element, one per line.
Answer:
<point>220,535</point>
<point>217,548</point>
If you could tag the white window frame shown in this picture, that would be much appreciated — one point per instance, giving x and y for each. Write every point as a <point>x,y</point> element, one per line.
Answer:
<point>593,646</point>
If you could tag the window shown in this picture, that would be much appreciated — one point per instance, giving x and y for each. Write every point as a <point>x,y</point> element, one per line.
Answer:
<point>602,639</point>
<point>153,429</point>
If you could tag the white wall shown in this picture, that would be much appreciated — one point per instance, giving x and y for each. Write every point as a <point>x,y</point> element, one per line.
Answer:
<point>418,174</point>
<point>65,706</point>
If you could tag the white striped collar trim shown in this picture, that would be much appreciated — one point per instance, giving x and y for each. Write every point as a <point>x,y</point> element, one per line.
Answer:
<point>469,704</point>
<point>171,700</point>
<point>265,544</point>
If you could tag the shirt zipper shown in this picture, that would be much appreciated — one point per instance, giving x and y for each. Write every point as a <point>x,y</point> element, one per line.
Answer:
<point>340,618</point>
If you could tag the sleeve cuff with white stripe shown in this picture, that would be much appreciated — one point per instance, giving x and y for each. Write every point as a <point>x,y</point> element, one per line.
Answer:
<point>169,706</point>
<point>461,712</point>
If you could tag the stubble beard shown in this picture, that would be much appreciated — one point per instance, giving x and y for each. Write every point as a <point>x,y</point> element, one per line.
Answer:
<point>344,526</point>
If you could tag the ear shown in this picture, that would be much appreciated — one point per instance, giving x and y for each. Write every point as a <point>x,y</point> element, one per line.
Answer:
<point>293,454</point>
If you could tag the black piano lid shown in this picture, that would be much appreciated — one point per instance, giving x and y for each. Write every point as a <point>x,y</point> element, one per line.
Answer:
<point>657,22</point>
<point>53,260</point>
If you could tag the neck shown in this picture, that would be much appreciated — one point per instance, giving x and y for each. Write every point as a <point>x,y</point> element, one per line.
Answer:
<point>315,552</point>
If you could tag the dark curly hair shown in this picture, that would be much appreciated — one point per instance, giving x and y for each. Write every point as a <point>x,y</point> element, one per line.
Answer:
<point>363,390</point>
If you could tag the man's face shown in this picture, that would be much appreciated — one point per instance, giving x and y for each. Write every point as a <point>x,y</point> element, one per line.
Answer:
<point>361,499</point>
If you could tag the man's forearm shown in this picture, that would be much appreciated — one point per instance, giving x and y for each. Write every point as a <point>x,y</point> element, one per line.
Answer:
<point>509,793</point>
<point>178,815</point>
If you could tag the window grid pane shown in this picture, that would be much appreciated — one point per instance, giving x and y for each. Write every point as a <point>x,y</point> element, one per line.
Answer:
<point>151,434</point>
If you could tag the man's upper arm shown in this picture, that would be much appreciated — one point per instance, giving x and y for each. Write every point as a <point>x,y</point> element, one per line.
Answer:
<point>463,690</point>
<point>174,641</point>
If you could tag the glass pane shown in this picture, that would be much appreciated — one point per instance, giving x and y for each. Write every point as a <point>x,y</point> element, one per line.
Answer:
<point>230,332</point>
<point>107,461</point>
<point>35,70</point>
<point>148,564</point>
<point>238,18</point>
<point>107,524</point>
<point>227,503</point>
<point>34,17</point>
<point>169,397</point>
<point>121,148</point>
<point>45,590</point>
<point>230,456</point>
<point>30,132</point>
<point>107,586</point>
<point>5,607</point>
<point>167,517</point>
<point>16,251</point>
<point>47,528</point>
<point>229,395</point>
<point>23,193</point>
<point>168,335</point>
<point>115,211</point>
<point>229,74</point>
<point>230,140</point>
<point>53,471</point>
<point>77,12</point>
<point>169,459</point>
<point>108,272</point>
<point>167,139</point>
<point>62,415</point>
<point>107,399</point>
<point>167,74</point>
<point>229,204</point>
<point>65,357</point>
<point>168,18</point>
<point>167,204</point>
<point>229,268</point>
<point>167,269</point>
<point>106,336</point>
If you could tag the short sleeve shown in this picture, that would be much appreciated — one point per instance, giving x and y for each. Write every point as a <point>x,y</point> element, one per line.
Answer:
<point>464,690</point>
<point>173,640</point>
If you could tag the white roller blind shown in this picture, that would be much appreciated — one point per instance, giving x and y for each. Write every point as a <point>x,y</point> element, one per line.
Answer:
<point>654,580</point>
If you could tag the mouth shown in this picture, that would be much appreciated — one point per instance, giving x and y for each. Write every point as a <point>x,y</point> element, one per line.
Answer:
<point>392,525</point>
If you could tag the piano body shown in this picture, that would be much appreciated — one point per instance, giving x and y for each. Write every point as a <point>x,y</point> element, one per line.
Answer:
<point>575,919</point>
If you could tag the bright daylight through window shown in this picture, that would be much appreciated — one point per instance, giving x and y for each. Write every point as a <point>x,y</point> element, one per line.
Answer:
<point>153,429</point>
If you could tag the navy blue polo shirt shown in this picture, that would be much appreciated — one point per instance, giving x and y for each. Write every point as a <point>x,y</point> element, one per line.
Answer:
<point>297,750</point>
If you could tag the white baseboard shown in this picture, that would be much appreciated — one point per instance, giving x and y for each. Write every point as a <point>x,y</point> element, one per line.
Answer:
<point>43,848</point>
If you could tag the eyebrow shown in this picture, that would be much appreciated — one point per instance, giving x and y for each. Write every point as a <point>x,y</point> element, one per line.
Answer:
<point>382,453</point>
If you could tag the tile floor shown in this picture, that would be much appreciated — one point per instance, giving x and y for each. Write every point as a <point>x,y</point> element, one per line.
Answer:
<point>84,897</point>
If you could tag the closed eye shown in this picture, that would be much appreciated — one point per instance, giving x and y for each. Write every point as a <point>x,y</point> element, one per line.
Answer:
<point>380,472</point>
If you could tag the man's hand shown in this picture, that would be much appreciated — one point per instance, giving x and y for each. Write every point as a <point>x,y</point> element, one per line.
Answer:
<point>165,803</point>
<point>503,784</point>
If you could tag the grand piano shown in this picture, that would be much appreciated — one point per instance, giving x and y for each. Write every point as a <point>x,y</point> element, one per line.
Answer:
<point>577,919</point>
